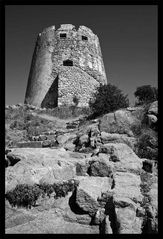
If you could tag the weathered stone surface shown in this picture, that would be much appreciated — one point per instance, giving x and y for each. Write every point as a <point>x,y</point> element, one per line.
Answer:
<point>84,139</point>
<point>128,222</point>
<point>127,185</point>
<point>69,146</point>
<point>46,143</point>
<point>154,196</point>
<point>44,164</point>
<point>86,202</point>
<point>153,109</point>
<point>15,218</point>
<point>93,130</point>
<point>127,198</point>
<point>152,119</point>
<point>99,216</point>
<point>100,167</point>
<point>49,222</point>
<point>66,138</point>
<point>118,138</point>
<point>120,122</point>
<point>89,189</point>
<point>122,156</point>
<point>82,168</point>
<point>114,199</point>
<point>122,202</point>
<point>108,229</point>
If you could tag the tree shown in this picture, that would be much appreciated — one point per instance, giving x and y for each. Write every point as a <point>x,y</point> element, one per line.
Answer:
<point>107,98</point>
<point>146,94</point>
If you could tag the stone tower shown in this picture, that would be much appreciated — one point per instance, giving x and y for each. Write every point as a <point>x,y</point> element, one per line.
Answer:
<point>66,63</point>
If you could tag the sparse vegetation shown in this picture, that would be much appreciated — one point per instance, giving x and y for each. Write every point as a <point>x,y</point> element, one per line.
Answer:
<point>26,195</point>
<point>147,145</point>
<point>65,112</point>
<point>17,124</point>
<point>108,98</point>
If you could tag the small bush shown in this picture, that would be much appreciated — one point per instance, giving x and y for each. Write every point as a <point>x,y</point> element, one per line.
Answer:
<point>23,195</point>
<point>47,189</point>
<point>107,98</point>
<point>147,145</point>
<point>62,189</point>
<point>26,195</point>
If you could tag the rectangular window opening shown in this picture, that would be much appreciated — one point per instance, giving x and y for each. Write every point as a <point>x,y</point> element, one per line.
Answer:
<point>63,35</point>
<point>84,38</point>
<point>68,63</point>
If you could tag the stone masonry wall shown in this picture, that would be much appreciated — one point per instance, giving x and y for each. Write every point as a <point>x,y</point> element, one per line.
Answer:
<point>71,56</point>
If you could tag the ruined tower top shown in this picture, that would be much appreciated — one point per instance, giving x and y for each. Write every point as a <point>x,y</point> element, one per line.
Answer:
<point>66,62</point>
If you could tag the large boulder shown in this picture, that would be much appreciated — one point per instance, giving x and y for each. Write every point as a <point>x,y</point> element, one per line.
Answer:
<point>122,157</point>
<point>128,222</point>
<point>89,190</point>
<point>101,167</point>
<point>121,122</point>
<point>118,138</point>
<point>42,165</point>
<point>49,222</point>
<point>127,185</point>
<point>66,138</point>
<point>127,198</point>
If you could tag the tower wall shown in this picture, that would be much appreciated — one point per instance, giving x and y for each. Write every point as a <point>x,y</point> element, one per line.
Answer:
<point>66,63</point>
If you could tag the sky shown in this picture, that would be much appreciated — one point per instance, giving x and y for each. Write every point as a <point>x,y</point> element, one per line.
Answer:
<point>127,35</point>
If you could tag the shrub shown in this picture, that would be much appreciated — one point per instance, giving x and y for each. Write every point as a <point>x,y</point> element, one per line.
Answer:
<point>147,145</point>
<point>26,195</point>
<point>146,94</point>
<point>107,98</point>
<point>62,189</point>
<point>47,189</point>
<point>23,195</point>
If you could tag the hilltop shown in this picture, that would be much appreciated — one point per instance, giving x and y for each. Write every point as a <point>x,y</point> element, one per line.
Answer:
<point>67,173</point>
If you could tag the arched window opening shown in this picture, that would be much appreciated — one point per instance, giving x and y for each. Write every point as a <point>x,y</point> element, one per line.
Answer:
<point>68,63</point>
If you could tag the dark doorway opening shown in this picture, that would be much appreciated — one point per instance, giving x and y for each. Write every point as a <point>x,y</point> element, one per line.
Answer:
<point>68,63</point>
<point>51,98</point>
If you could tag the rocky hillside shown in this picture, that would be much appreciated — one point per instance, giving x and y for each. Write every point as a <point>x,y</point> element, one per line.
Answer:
<point>79,175</point>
